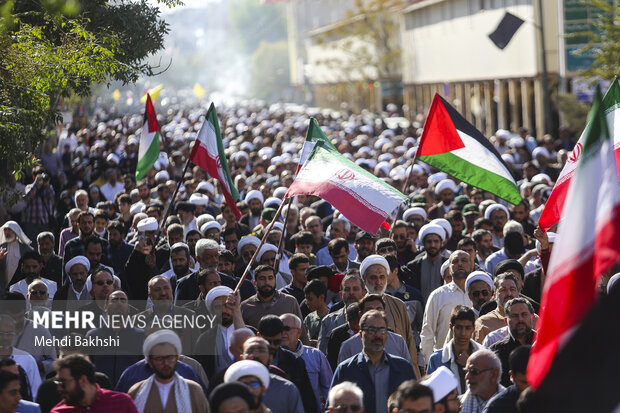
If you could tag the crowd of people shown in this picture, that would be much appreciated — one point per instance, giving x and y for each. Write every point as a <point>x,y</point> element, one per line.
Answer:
<point>436,314</point>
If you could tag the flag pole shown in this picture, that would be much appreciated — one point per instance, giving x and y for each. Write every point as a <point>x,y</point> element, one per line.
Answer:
<point>169,207</point>
<point>281,243</point>
<point>253,259</point>
<point>403,189</point>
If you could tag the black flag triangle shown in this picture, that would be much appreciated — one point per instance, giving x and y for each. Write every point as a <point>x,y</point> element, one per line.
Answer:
<point>505,30</point>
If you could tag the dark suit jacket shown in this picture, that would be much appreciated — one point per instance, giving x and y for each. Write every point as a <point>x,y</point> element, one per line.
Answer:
<point>187,287</point>
<point>338,336</point>
<point>355,369</point>
<point>412,272</point>
<point>60,298</point>
<point>295,367</point>
<point>189,336</point>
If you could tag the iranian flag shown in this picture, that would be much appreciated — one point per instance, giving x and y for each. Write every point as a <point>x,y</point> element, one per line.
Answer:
<point>455,146</point>
<point>554,205</point>
<point>313,135</point>
<point>208,153</point>
<point>359,195</point>
<point>148,151</point>
<point>587,245</point>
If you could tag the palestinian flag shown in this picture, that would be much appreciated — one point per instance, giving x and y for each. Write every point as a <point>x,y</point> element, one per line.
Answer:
<point>208,153</point>
<point>313,134</point>
<point>148,151</point>
<point>359,195</point>
<point>453,145</point>
<point>554,205</point>
<point>586,248</point>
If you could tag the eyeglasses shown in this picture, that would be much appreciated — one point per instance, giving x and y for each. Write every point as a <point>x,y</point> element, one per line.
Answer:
<point>476,294</point>
<point>476,372</point>
<point>106,282</point>
<point>287,328</point>
<point>254,384</point>
<point>161,359</point>
<point>375,330</point>
<point>38,292</point>
<point>62,383</point>
<point>341,408</point>
<point>386,250</point>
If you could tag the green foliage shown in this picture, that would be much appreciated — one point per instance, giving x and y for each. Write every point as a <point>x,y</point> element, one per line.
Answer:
<point>604,41</point>
<point>269,70</point>
<point>53,49</point>
<point>367,41</point>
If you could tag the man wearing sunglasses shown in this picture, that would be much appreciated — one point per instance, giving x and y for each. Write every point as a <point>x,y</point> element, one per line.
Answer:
<point>256,377</point>
<point>101,286</point>
<point>482,374</point>
<point>479,287</point>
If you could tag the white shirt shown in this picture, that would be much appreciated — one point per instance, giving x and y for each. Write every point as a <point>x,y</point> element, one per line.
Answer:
<point>110,191</point>
<point>436,323</point>
<point>164,391</point>
<point>29,365</point>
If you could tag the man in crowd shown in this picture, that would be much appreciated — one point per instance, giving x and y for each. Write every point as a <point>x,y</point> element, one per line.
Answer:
<point>298,265</point>
<point>386,371</point>
<point>444,386</point>
<point>165,389</point>
<point>505,290</point>
<point>506,401</point>
<point>482,374</point>
<point>345,397</point>
<point>479,287</point>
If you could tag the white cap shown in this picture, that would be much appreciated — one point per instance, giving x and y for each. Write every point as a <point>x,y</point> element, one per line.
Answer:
<point>148,224</point>
<point>442,382</point>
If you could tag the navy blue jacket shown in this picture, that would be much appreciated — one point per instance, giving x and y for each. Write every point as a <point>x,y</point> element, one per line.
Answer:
<point>355,369</point>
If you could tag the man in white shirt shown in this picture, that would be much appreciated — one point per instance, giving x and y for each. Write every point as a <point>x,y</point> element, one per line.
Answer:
<point>25,360</point>
<point>113,186</point>
<point>441,301</point>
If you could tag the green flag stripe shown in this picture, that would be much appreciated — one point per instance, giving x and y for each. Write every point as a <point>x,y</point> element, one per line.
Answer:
<point>475,175</point>
<point>149,158</point>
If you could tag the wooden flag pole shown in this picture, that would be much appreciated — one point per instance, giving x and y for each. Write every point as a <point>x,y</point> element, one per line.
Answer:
<point>253,259</point>
<point>281,243</point>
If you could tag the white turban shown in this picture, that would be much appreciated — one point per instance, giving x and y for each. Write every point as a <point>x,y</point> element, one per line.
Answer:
<point>136,208</point>
<point>280,192</point>
<point>265,248</point>
<point>432,229</point>
<point>276,225</point>
<point>199,199</point>
<point>247,368</point>
<point>495,207</point>
<point>254,194</point>
<point>19,233</point>
<point>210,225</point>
<point>444,267</point>
<point>148,224</point>
<point>445,184</point>
<point>206,186</point>
<point>113,158</point>
<point>161,337</point>
<point>442,382</point>
<point>541,179</point>
<point>216,292</point>
<point>436,177</point>
<point>80,259</point>
<point>414,211</point>
<point>272,202</point>
<point>478,276</point>
<point>162,175</point>
<point>372,260</point>
<point>247,240</point>
<point>541,151</point>
<point>445,224</point>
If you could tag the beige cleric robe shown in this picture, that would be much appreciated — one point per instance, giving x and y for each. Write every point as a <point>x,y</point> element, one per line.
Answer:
<point>153,402</point>
<point>398,321</point>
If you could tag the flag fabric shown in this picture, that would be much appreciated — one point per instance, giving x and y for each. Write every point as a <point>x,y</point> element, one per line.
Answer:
<point>359,195</point>
<point>553,207</point>
<point>313,135</point>
<point>455,146</point>
<point>505,30</point>
<point>586,247</point>
<point>148,150</point>
<point>208,153</point>
<point>153,93</point>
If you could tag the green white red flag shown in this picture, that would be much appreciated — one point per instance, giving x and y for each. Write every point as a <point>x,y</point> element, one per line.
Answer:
<point>313,135</point>
<point>554,205</point>
<point>208,153</point>
<point>455,146</point>
<point>586,247</point>
<point>148,150</point>
<point>359,195</point>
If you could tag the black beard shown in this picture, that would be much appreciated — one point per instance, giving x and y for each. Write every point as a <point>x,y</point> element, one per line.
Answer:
<point>180,271</point>
<point>266,291</point>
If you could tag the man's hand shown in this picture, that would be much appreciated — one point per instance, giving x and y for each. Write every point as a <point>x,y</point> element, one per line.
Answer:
<point>3,253</point>
<point>542,237</point>
<point>234,301</point>
<point>461,359</point>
